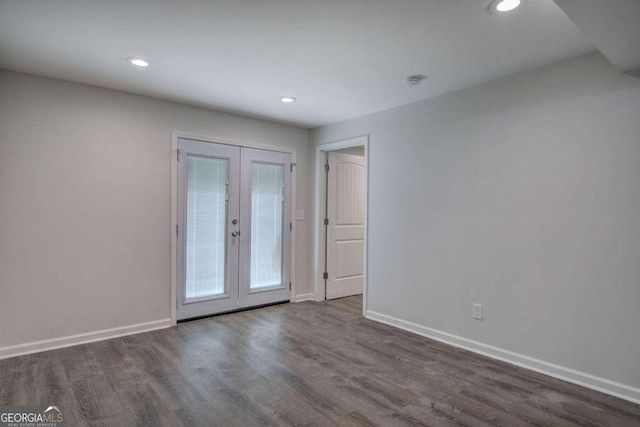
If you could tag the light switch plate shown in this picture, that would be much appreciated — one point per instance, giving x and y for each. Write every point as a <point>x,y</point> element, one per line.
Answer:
<point>476,312</point>
<point>300,215</point>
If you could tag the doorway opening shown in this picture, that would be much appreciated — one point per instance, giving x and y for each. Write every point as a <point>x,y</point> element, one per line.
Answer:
<point>341,209</point>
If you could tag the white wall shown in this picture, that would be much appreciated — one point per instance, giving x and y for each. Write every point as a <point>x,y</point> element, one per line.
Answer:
<point>85,177</point>
<point>522,194</point>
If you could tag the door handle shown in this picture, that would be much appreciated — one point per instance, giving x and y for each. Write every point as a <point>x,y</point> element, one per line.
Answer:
<point>235,233</point>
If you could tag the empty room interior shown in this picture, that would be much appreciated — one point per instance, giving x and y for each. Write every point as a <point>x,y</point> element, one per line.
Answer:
<point>350,213</point>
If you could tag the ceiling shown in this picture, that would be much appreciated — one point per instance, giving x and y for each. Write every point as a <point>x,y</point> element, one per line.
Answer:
<point>613,26</point>
<point>340,58</point>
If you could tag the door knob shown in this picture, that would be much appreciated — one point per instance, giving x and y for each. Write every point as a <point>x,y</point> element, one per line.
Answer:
<point>235,233</point>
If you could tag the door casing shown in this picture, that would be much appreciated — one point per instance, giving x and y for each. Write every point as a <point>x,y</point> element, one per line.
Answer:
<point>319,209</point>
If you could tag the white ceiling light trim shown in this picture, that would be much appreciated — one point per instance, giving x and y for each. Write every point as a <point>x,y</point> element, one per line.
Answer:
<point>287,99</point>
<point>139,62</point>
<point>504,6</point>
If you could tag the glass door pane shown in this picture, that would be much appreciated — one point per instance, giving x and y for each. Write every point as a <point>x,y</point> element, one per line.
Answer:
<point>266,225</point>
<point>206,219</point>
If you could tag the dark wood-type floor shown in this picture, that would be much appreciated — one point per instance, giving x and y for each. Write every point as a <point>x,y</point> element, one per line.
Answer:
<point>295,364</point>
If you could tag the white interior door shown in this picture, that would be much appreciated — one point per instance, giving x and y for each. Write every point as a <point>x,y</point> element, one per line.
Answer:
<point>233,228</point>
<point>345,231</point>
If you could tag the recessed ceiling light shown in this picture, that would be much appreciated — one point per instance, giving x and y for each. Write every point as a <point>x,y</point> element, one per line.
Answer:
<point>287,99</point>
<point>138,62</point>
<point>502,6</point>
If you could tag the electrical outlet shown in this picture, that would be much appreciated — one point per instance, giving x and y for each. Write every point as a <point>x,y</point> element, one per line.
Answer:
<point>300,215</point>
<point>476,311</point>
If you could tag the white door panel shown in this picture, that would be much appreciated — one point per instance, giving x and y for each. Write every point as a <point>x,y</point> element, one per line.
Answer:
<point>345,232</point>
<point>265,218</point>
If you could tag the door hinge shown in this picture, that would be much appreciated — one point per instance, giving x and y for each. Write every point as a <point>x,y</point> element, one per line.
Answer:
<point>326,167</point>
<point>176,229</point>
<point>292,164</point>
<point>289,285</point>
<point>290,226</point>
<point>178,155</point>
<point>326,221</point>
<point>325,275</point>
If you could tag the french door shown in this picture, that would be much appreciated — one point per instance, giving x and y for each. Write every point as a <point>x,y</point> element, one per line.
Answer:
<point>233,227</point>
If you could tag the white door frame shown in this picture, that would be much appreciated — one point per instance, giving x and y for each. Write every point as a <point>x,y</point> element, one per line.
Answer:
<point>175,135</point>
<point>318,246</point>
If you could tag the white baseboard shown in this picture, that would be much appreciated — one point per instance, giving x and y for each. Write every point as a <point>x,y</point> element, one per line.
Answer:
<point>303,297</point>
<point>68,341</point>
<point>584,379</point>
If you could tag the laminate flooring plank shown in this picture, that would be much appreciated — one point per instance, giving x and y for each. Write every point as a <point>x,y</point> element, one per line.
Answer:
<point>293,411</point>
<point>384,391</point>
<point>355,419</point>
<point>513,410</point>
<point>306,364</point>
<point>420,414</point>
<point>98,382</point>
<point>579,412</point>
